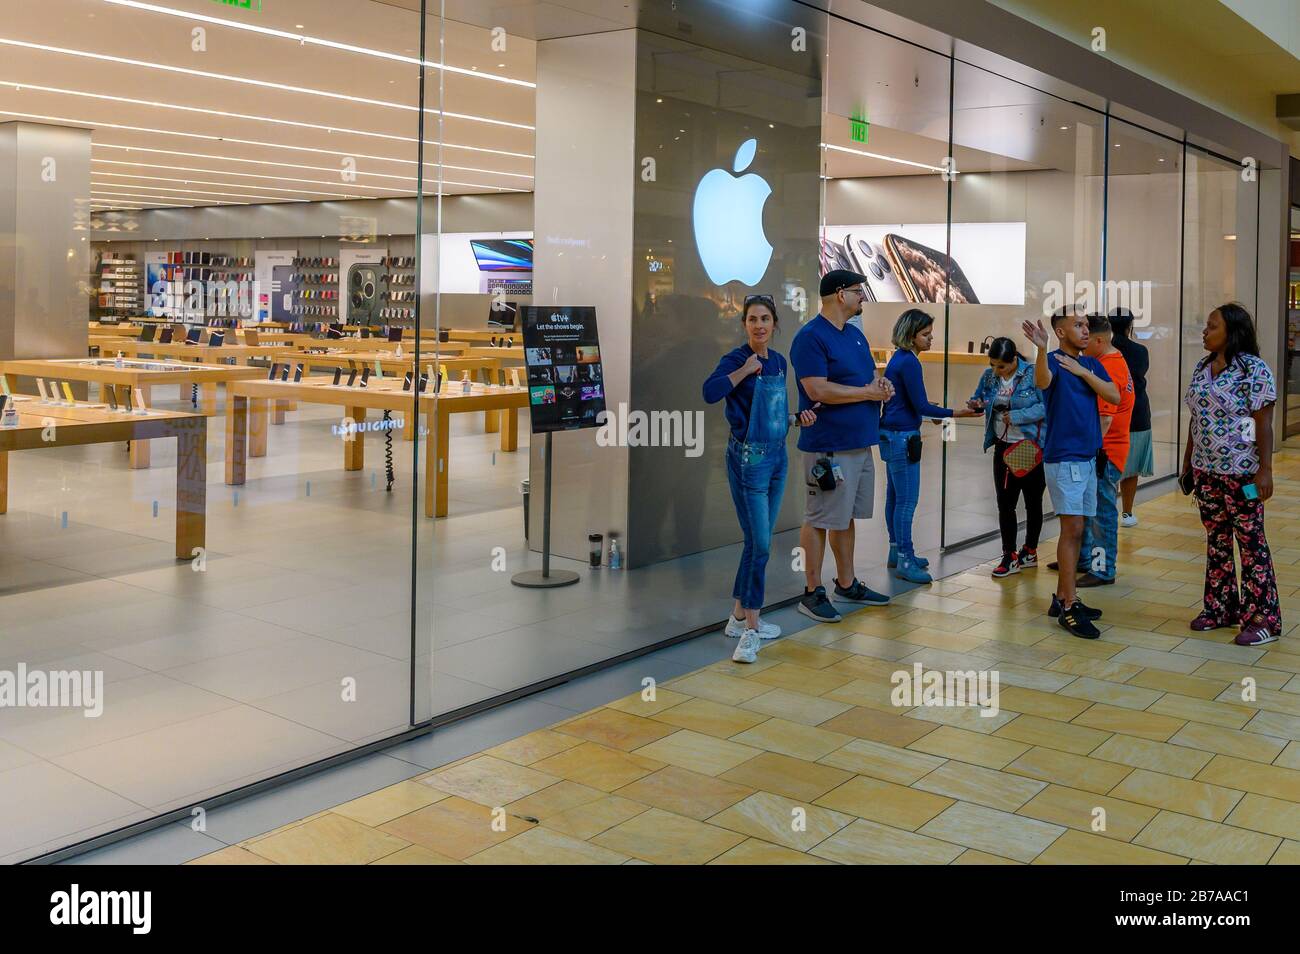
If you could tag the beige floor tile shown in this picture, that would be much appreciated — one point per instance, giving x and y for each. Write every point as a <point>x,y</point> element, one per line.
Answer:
<point>796,706</point>
<point>1106,669</point>
<point>1079,810</point>
<point>1062,736</point>
<point>232,855</point>
<point>882,761</point>
<point>1128,636</point>
<point>885,802</point>
<point>996,832</point>
<point>877,726</point>
<point>938,639</point>
<point>865,667</point>
<point>1154,659</point>
<point>971,718</point>
<point>1287,854</point>
<point>590,819</point>
<point>728,690</point>
<point>1201,799</point>
<point>875,646</point>
<point>1024,671</point>
<point>869,843</point>
<point>1046,705</point>
<point>1213,738</point>
<point>542,846</point>
<point>1163,757</point>
<point>729,667</point>
<point>683,792</point>
<point>871,692</point>
<point>788,776</point>
<point>1290,757</point>
<point>966,746</point>
<point>1274,658</point>
<point>533,747</point>
<point>598,767</point>
<point>1195,687</point>
<point>1065,768</point>
<point>490,781</point>
<point>698,752</point>
<point>790,738</point>
<point>980,785</point>
<point>1077,848</point>
<point>804,655</point>
<point>615,729</point>
<point>637,704</point>
<point>710,718</point>
<point>554,799</point>
<point>756,852</point>
<point>416,855</point>
<point>972,857</point>
<point>1204,840</point>
<point>1063,643</point>
<point>1273,816</point>
<point>328,840</point>
<point>1252,777</point>
<point>783,821</point>
<point>1142,724</point>
<point>663,838</point>
<point>1110,693</point>
<point>455,828</point>
<point>1275,724</point>
<point>814,682</point>
<point>1223,650</point>
<point>1273,700</point>
<point>1203,710</point>
<point>389,803</point>
<point>1236,672</point>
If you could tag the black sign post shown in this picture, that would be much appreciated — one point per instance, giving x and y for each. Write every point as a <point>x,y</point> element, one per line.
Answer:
<point>566,392</point>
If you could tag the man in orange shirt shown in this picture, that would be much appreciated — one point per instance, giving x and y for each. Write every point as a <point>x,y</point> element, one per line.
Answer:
<point>1098,552</point>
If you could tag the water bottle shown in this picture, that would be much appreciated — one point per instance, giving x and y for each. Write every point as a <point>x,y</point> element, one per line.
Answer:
<point>118,362</point>
<point>615,554</point>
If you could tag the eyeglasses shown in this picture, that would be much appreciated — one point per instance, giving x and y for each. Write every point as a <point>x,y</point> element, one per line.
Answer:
<point>765,299</point>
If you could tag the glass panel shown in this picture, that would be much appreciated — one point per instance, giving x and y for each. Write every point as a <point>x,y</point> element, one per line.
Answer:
<point>239,575</point>
<point>1026,233</point>
<point>1293,326</point>
<point>1143,222</point>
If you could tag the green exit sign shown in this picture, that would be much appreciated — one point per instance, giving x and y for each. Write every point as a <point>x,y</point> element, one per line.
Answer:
<point>858,128</point>
<point>242,4</point>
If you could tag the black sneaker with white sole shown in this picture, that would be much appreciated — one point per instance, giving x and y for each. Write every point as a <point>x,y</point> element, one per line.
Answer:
<point>1090,612</point>
<point>859,592</point>
<point>817,605</point>
<point>1075,621</point>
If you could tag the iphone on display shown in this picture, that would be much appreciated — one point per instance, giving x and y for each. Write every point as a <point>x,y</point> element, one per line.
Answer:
<point>925,272</point>
<point>869,259</point>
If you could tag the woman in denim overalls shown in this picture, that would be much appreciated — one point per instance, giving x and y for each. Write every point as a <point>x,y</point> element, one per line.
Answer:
<point>752,379</point>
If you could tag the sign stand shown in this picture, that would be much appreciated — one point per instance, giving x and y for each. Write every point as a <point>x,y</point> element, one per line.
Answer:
<point>545,578</point>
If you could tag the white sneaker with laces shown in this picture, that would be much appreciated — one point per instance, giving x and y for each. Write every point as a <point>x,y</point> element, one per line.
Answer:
<point>736,628</point>
<point>747,648</point>
<point>1128,520</point>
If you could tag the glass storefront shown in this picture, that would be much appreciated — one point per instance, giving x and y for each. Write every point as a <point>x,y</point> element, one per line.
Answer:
<point>283,221</point>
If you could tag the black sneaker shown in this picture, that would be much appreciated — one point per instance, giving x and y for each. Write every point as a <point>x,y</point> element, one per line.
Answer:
<point>859,592</point>
<point>1008,566</point>
<point>1055,609</point>
<point>1076,621</point>
<point>816,605</point>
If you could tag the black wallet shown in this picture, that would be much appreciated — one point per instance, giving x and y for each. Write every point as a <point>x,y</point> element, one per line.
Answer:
<point>1186,482</point>
<point>914,448</point>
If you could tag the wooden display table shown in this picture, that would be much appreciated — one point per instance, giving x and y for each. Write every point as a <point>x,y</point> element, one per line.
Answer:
<point>485,335</point>
<point>246,415</point>
<point>95,424</point>
<point>114,331</point>
<point>427,346</point>
<point>144,375</point>
<point>187,352</point>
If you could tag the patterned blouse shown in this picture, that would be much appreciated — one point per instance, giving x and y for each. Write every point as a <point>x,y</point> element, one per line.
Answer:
<point>1223,432</point>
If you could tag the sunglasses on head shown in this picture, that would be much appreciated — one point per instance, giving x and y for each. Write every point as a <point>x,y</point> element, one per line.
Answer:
<point>765,299</point>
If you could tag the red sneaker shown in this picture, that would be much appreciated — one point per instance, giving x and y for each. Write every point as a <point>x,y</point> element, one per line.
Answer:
<point>1008,565</point>
<point>1205,622</point>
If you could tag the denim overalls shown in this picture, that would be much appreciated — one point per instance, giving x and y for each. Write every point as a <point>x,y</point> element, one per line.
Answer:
<point>756,472</point>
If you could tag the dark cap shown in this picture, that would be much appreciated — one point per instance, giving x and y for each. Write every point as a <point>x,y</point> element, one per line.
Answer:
<point>839,278</point>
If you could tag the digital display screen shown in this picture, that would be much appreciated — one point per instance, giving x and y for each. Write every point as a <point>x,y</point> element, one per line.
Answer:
<point>503,255</point>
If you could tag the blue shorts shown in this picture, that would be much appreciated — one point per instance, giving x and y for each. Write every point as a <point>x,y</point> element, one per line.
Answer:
<point>1073,486</point>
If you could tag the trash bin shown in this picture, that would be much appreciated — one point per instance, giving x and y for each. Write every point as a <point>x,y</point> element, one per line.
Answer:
<point>523,489</point>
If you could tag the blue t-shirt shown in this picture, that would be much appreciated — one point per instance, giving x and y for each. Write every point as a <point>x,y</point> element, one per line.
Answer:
<point>820,350</point>
<point>1073,424</point>
<point>909,404</point>
<point>740,398</point>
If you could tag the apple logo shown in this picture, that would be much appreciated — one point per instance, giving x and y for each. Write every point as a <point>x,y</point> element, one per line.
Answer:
<point>728,219</point>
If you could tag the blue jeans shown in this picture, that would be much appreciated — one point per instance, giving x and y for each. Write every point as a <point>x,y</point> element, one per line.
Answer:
<point>904,488</point>
<point>756,473</point>
<point>1099,547</point>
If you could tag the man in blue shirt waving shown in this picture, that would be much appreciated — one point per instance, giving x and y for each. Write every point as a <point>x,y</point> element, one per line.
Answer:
<point>1071,382</point>
<point>834,368</point>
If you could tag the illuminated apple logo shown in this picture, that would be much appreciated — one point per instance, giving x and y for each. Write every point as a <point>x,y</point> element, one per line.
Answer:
<point>728,219</point>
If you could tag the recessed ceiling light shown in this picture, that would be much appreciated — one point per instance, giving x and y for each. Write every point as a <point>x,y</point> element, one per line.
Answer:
<point>1065,127</point>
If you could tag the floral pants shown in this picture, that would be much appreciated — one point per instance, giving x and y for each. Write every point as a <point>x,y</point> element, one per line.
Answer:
<point>1225,511</point>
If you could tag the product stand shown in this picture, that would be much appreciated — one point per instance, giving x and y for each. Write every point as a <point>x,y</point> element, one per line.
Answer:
<point>544,578</point>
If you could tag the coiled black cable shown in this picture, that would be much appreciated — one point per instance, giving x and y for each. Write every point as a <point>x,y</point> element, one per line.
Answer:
<point>388,450</point>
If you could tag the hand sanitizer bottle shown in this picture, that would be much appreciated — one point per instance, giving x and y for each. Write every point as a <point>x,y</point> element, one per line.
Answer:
<point>118,362</point>
<point>465,384</point>
<point>615,554</point>
<point>399,349</point>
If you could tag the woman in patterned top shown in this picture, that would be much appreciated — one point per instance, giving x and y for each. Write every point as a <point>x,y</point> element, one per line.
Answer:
<point>1229,454</point>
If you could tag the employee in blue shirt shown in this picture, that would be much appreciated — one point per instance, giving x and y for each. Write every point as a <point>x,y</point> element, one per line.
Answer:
<point>752,379</point>
<point>1071,382</point>
<point>900,439</point>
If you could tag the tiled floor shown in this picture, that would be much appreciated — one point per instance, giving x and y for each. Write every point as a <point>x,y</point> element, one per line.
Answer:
<point>1147,746</point>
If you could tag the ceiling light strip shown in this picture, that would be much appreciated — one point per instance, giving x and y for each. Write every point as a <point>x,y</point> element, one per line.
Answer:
<point>245,185</point>
<point>231,172</point>
<point>876,155</point>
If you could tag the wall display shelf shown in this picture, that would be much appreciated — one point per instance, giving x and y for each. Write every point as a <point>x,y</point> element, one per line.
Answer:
<point>118,289</point>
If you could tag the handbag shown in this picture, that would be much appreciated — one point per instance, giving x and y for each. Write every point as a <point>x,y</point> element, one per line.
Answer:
<point>1022,456</point>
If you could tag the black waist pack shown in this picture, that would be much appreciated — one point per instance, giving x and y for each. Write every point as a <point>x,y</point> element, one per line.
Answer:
<point>914,449</point>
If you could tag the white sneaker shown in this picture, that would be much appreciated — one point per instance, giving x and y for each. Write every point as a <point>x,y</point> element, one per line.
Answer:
<point>736,628</point>
<point>1128,520</point>
<point>747,648</point>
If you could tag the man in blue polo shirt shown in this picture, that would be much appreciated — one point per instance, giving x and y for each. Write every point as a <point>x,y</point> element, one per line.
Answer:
<point>1071,383</point>
<point>834,369</point>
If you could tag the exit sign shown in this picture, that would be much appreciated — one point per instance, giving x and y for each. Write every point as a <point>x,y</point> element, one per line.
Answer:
<point>242,4</point>
<point>858,128</point>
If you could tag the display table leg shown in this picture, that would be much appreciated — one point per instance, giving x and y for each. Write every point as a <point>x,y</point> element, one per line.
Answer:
<point>277,415</point>
<point>191,486</point>
<point>443,473</point>
<point>410,425</point>
<point>4,481</point>
<point>258,410</point>
<point>491,422</point>
<point>208,399</point>
<point>236,438</point>
<point>139,449</point>
<point>510,432</point>
<point>354,445</point>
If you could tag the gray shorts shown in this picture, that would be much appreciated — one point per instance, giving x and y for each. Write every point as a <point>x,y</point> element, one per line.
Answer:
<point>852,499</point>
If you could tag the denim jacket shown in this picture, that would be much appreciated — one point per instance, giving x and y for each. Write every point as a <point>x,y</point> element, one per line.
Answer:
<point>1027,408</point>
